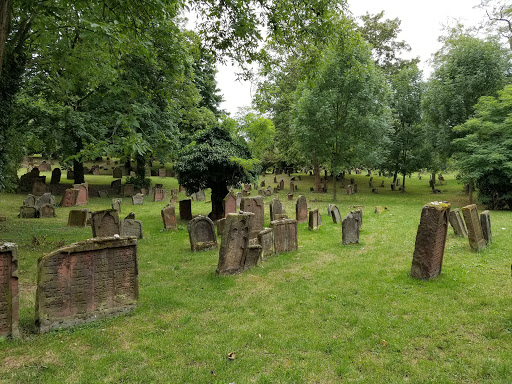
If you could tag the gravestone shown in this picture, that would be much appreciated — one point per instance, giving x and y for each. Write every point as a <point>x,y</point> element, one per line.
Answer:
<point>105,223</point>
<point>47,210</point>
<point>285,235</point>
<point>103,194</point>
<point>292,187</point>
<point>83,193</point>
<point>262,184</point>
<point>475,235</point>
<point>350,229</point>
<point>131,227</point>
<point>160,194</point>
<point>86,281</point>
<point>350,189</point>
<point>234,246</point>
<point>39,187</point>
<point>219,224</point>
<point>128,190</point>
<point>56,175</point>
<point>457,224</point>
<point>201,233</point>
<point>9,299</point>
<point>329,207</point>
<point>290,196</point>
<point>28,212</point>
<point>358,213</point>
<point>199,196</point>
<point>169,217</point>
<point>335,214</point>
<point>46,198</point>
<point>257,206</point>
<point>116,185</point>
<point>185,209</point>
<point>45,167</point>
<point>138,199</point>
<point>116,204</point>
<point>77,218</point>
<point>485,222</point>
<point>301,209</point>
<point>30,201</point>
<point>281,185</point>
<point>229,203</point>
<point>174,196</point>
<point>162,172</point>
<point>276,208</point>
<point>355,188</point>
<point>427,259</point>
<point>117,173</point>
<point>314,221</point>
<point>265,239</point>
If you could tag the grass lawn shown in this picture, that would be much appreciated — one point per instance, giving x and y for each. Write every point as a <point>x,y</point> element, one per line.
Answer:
<point>326,313</point>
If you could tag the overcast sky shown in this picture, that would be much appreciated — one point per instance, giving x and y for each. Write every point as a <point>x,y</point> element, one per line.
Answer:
<point>422,23</point>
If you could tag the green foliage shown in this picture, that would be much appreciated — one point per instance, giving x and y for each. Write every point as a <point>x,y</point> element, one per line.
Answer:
<point>484,152</point>
<point>258,131</point>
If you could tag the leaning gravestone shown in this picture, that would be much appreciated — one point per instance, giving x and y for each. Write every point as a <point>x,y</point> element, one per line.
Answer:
<point>86,281</point>
<point>276,208</point>
<point>314,219</point>
<point>350,229</point>
<point>77,218</point>
<point>105,223</point>
<point>427,259</point>
<point>56,175</point>
<point>30,201</point>
<point>9,299</point>
<point>257,206</point>
<point>457,224</point>
<point>335,214</point>
<point>485,222</point>
<point>169,217</point>
<point>475,235</point>
<point>47,210</point>
<point>234,245</point>
<point>185,209</point>
<point>301,210</point>
<point>201,232</point>
<point>117,173</point>
<point>83,193</point>
<point>131,227</point>
<point>229,203</point>
<point>138,199</point>
<point>116,204</point>
<point>285,235</point>
<point>265,239</point>
<point>46,198</point>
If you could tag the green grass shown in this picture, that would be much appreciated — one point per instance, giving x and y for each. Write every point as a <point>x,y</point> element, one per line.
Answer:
<point>326,313</point>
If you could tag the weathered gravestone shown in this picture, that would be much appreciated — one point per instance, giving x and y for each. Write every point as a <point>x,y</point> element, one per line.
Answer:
<point>9,299</point>
<point>116,204</point>
<point>47,210</point>
<point>301,210</point>
<point>86,281</point>
<point>276,208</point>
<point>234,246</point>
<point>185,209</point>
<point>229,203</point>
<point>174,195</point>
<point>45,167</point>
<point>350,189</point>
<point>160,194</point>
<point>253,256</point>
<point>117,173</point>
<point>350,229</point>
<point>281,185</point>
<point>290,196</point>
<point>39,187</point>
<point>314,219</point>
<point>77,218</point>
<point>292,187</point>
<point>335,214</point>
<point>485,222</point>
<point>138,199</point>
<point>46,198</point>
<point>28,212</point>
<point>475,235</point>
<point>457,224</point>
<point>116,185</point>
<point>169,217</point>
<point>201,232</point>
<point>131,227</point>
<point>266,240</point>
<point>103,194</point>
<point>56,175</point>
<point>257,206</point>
<point>427,259</point>
<point>30,201</point>
<point>262,184</point>
<point>128,190</point>
<point>198,196</point>
<point>239,197</point>
<point>358,213</point>
<point>83,193</point>
<point>162,172</point>
<point>285,235</point>
<point>220,226</point>
<point>105,223</point>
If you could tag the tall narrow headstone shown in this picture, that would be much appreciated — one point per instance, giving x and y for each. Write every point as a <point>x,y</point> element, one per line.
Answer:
<point>116,204</point>
<point>276,208</point>
<point>229,203</point>
<point>83,193</point>
<point>265,239</point>
<point>281,185</point>
<point>350,229</point>
<point>169,217</point>
<point>105,223</point>
<point>234,245</point>
<point>9,299</point>
<point>335,214</point>
<point>475,235</point>
<point>185,209</point>
<point>201,233</point>
<point>56,175</point>
<point>257,206</point>
<point>301,210</point>
<point>457,224</point>
<point>314,219</point>
<point>428,255</point>
<point>485,222</point>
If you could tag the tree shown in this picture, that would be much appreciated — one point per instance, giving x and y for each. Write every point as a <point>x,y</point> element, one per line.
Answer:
<point>258,131</point>
<point>484,150</point>
<point>216,160</point>
<point>499,14</point>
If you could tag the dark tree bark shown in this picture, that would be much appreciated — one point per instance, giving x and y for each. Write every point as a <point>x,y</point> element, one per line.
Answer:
<point>140,169</point>
<point>219,192</point>
<point>78,171</point>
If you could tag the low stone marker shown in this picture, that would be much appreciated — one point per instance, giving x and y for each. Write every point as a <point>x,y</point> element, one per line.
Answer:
<point>169,217</point>
<point>83,193</point>
<point>116,204</point>
<point>281,185</point>
<point>86,281</point>
<point>485,222</point>
<point>77,218</point>
<point>350,229</point>
<point>103,194</point>
<point>69,198</point>
<point>105,223</point>
<point>220,226</point>
<point>131,227</point>
<point>335,214</point>
<point>314,219</point>
<point>198,196</point>
<point>253,256</point>
<point>475,235</point>
<point>128,190</point>
<point>234,246</point>
<point>257,206</point>
<point>266,240</point>
<point>285,235</point>
<point>117,173</point>
<point>185,209</point>
<point>138,199</point>
<point>201,232</point>
<point>276,208</point>
<point>47,211</point>
<point>301,209</point>
<point>9,299</point>
<point>229,203</point>
<point>457,224</point>
<point>427,259</point>
<point>28,212</point>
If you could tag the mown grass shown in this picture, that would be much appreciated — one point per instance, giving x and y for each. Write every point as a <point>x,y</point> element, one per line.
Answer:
<point>326,313</point>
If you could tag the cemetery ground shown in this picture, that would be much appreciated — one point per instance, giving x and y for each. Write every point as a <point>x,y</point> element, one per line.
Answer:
<point>326,313</point>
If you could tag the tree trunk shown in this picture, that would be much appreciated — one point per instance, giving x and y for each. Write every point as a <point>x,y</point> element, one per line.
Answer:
<point>316,172</point>
<point>140,171</point>
<point>5,24</point>
<point>219,192</point>
<point>403,183</point>
<point>333,187</point>
<point>78,171</point>
<point>471,189</point>
<point>128,165</point>
<point>433,178</point>
<point>395,176</point>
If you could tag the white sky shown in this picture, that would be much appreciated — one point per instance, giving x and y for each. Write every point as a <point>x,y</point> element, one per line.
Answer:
<point>422,23</point>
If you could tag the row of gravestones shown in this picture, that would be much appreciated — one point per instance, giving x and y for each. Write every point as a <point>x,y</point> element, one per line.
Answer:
<point>33,207</point>
<point>432,230</point>
<point>106,223</point>
<point>78,283</point>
